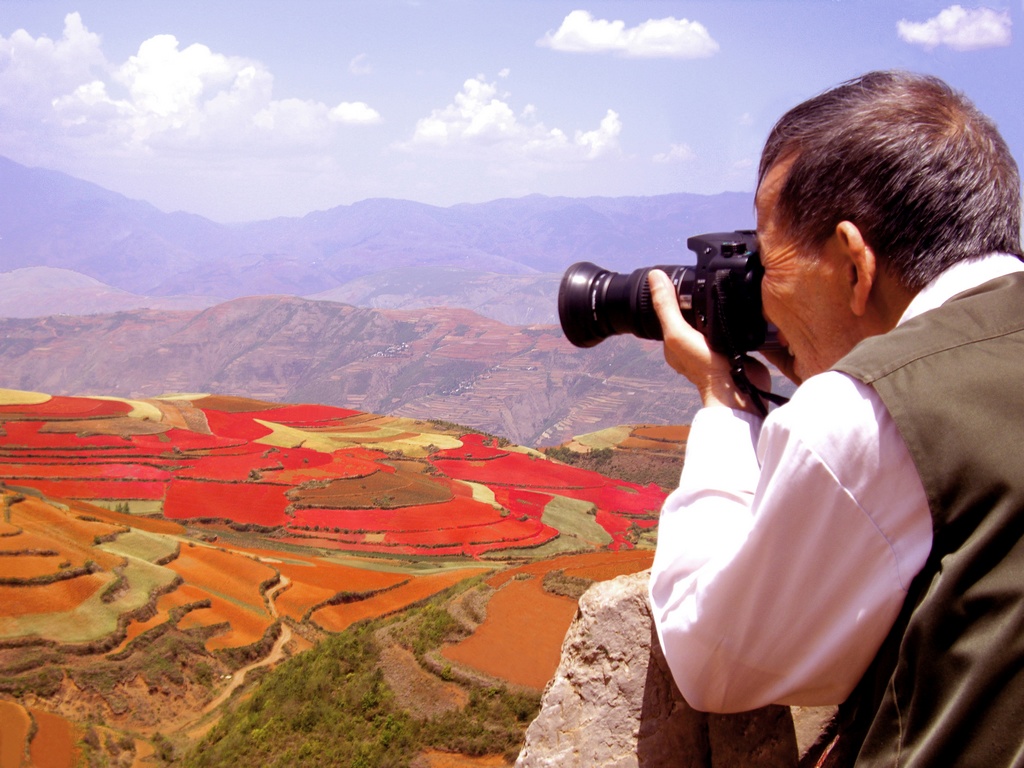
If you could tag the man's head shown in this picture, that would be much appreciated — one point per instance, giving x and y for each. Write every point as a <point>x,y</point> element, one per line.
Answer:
<point>865,194</point>
<point>925,177</point>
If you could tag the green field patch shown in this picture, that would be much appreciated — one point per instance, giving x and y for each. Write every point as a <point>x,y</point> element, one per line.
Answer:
<point>574,518</point>
<point>562,545</point>
<point>482,493</point>
<point>93,619</point>
<point>150,547</point>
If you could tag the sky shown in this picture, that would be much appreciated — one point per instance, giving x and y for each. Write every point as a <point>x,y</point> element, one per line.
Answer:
<point>243,111</point>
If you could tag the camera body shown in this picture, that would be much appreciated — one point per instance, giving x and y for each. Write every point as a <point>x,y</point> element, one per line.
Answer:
<point>720,296</point>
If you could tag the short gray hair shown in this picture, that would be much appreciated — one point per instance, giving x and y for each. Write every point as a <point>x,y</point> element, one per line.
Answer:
<point>914,164</point>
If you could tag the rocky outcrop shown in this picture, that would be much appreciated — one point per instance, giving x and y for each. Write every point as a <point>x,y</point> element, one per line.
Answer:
<point>613,703</point>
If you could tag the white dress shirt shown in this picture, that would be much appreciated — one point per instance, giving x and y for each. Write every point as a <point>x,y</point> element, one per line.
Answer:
<point>785,555</point>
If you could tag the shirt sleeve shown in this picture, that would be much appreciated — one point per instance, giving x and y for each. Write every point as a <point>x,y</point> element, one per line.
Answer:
<point>785,554</point>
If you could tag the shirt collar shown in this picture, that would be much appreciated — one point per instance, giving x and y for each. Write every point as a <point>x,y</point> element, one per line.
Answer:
<point>961,277</point>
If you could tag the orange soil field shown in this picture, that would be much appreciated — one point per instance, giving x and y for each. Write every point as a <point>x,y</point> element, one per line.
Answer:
<point>50,598</point>
<point>28,566</point>
<point>229,574</point>
<point>671,434</point>
<point>231,582</point>
<point>319,581</point>
<point>136,628</point>
<point>592,565</point>
<point>521,638</point>
<point>436,759</point>
<point>335,618</point>
<point>14,725</point>
<point>64,531</point>
<point>640,444</point>
<point>54,742</point>
<point>247,625</point>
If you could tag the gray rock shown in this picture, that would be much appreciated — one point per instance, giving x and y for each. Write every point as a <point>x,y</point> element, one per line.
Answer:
<point>612,701</point>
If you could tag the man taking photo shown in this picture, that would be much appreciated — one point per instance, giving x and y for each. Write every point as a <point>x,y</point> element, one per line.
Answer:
<point>862,544</point>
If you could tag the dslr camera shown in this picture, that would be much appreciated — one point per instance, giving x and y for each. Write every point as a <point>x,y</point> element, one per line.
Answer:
<point>720,296</point>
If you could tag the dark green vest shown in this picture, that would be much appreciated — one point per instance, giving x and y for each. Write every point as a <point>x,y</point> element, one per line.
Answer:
<point>947,687</point>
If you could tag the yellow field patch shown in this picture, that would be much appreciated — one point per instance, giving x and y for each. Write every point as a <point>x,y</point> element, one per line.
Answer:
<point>140,409</point>
<point>604,438</point>
<point>20,397</point>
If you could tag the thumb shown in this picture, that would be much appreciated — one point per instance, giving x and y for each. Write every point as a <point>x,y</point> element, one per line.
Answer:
<point>665,300</point>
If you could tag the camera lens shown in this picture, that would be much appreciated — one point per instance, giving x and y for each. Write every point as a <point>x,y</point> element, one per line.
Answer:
<point>595,303</point>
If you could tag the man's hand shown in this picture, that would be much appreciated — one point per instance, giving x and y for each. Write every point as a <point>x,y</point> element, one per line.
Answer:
<point>687,351</point>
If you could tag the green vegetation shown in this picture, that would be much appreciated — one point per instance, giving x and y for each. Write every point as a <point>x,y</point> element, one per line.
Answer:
<point>575,518</point>
<point>557,582</point>
<point>95,618</point>
<point>640,467</point>
<point>332,706</point>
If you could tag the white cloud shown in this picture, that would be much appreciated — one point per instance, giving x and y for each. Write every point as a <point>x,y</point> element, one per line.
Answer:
<point>34,71</point>
<point>354,113</point>
<point>63,95</point>
<point>580,32</point>
<point>480,117</point>
<point>677,153</point>
<point>959,28</point>
<point>360,65</point>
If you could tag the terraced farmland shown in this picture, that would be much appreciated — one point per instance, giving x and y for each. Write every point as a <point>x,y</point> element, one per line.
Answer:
<point>153,551</point>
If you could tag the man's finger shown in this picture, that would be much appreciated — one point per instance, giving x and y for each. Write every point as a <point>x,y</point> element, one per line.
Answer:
<point>666,304</point>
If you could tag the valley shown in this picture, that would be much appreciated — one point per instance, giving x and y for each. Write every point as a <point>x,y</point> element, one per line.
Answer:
<point>162,560</point>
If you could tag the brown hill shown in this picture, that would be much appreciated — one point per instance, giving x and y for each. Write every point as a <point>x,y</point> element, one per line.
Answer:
<point>525,383</point>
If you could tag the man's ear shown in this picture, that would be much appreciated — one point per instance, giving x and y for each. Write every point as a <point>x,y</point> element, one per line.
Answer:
<point>861,264</point>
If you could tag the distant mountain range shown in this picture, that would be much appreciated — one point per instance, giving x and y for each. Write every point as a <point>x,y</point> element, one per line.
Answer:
<point>106,295</point>
<point>378,253</point>
<point>526,383</point>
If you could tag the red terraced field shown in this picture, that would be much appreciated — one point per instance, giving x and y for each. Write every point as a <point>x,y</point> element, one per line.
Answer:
<point>303,415</point>
<point>23,434</point>
<point>256,503</point>
<point>510,531</point>
<point>360,499</point>
<point>236,425</point>
<point>58,407</point>
<point>460,511</point>
<point>519,470</point>
<point>114,490</point>
<point>97,471</point>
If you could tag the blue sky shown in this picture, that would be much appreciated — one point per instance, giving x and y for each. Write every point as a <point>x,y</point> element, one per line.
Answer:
<point>250,110</point>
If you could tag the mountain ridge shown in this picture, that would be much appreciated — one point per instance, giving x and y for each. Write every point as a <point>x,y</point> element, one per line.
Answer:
<point>52,219</point>
<point>526,383</point>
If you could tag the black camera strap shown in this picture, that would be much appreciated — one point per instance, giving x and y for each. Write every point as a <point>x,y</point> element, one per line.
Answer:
<point>756,394</point>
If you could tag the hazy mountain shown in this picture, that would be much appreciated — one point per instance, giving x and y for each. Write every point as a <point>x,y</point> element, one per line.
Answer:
<point>51,219</point>
<point>41,291</point>
<point>525,383</point>
<point>512,299</point>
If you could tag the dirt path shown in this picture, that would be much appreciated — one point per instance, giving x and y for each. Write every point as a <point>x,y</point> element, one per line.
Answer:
<point>195,726</point>
<point>275,655</point>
